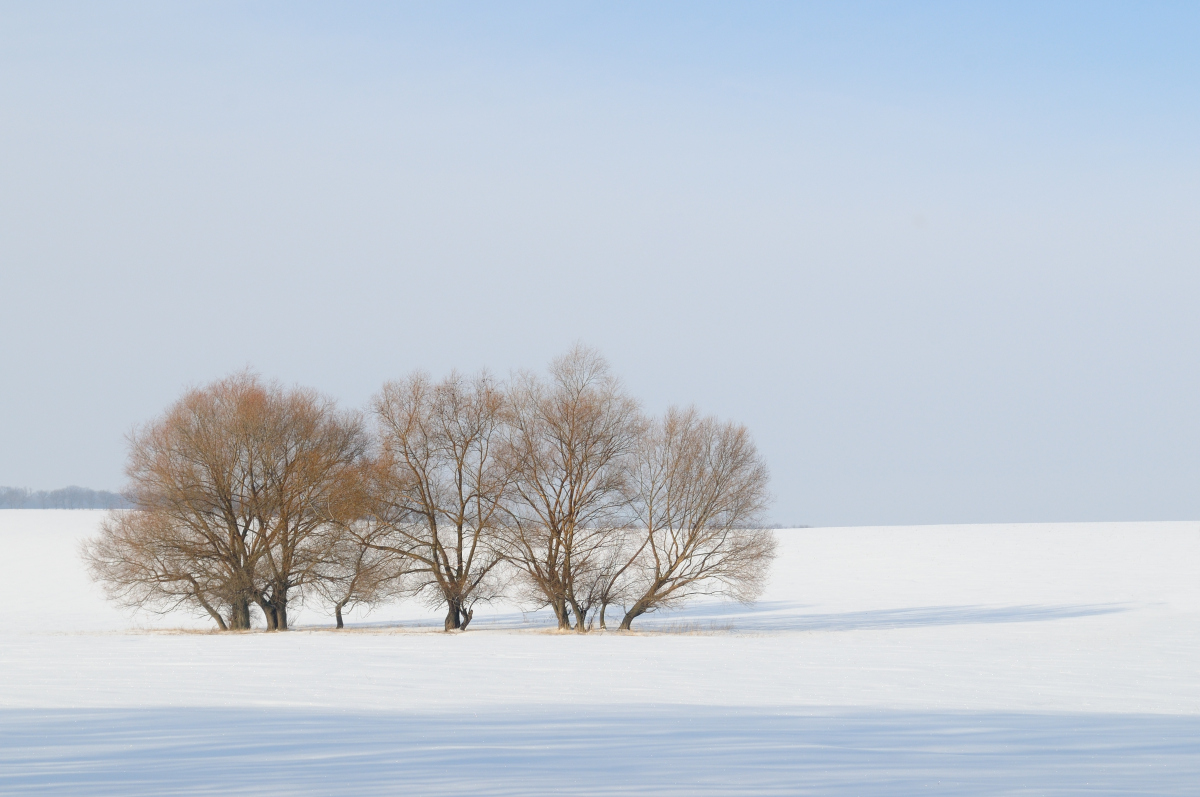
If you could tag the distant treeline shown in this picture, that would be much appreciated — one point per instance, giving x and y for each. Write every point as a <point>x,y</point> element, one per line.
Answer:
<point>66,498</point>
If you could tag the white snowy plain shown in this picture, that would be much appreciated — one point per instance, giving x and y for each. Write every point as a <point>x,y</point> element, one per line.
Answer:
<point>966,660</point>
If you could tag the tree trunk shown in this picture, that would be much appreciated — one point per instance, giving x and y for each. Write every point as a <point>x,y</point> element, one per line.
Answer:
<point>268,611</point>
<point>275,610</point>
<point>281,619</point>
<point>239,614</point>
<point>457,617</point>
<point>603,606</point>
<point>337,612</point>
<point>580,618</point>
<point>635,612</point>
<point>453,623</point>
<point>561,613</point>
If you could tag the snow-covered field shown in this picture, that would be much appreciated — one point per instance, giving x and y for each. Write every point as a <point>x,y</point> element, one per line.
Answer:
<point>1033,659</point>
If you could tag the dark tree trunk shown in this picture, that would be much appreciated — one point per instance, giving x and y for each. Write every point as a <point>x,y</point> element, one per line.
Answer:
<point>268,610</point>
<point>453,614</point>
<point>580,618</point>
<point>457,615</point>
<point>337,612</point>
<point>239,614</point>
<point>635,612</point>
<point>561,613</point>
<point>275,610</point>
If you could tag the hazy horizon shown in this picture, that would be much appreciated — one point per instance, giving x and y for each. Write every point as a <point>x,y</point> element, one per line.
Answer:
<point>942,260</point>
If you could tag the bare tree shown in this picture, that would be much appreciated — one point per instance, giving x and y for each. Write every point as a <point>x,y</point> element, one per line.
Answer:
<point>357,571</point>
<point>701,489</point>
<point>234,488</point>
<point>568,446</point>
<point>440,487</point>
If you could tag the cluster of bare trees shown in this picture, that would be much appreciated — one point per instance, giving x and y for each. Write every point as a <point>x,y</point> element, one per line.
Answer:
<point>553,492</point>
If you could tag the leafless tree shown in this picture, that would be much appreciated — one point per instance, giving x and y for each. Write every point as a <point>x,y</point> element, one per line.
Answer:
<point>234,489</point>
<point>568,444</point>
<point>701,489</point>
<point>356,570</point>
<point>440,487</point>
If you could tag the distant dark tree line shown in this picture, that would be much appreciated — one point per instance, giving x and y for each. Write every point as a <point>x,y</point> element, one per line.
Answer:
<point>556,492</point>
<point>65,498</point>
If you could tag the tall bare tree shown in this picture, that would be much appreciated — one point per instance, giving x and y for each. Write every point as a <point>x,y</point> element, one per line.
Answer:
<point>701,490</point>
<point>235,487</point>
<point>440,487</point>
<point>568,446</point>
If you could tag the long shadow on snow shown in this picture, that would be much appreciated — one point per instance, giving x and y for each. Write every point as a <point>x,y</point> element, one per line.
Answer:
<point>790,616</point>
<point>787,616</point>
<point>661,750</point>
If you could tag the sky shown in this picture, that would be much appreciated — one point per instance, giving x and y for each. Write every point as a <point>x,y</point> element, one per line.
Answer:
<point>943,259</point>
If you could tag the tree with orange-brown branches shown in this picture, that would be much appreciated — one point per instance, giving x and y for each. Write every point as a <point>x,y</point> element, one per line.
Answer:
<point>236,489</point>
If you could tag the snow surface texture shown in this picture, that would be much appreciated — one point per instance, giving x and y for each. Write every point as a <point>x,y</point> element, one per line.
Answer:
<point>1032,659</point>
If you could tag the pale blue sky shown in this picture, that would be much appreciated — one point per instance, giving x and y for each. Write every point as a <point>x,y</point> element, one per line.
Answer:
<point>944,259</point>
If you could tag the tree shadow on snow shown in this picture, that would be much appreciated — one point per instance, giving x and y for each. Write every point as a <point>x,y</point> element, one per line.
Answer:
<point>661,750</point>
<point>768,616</point>
<point>788,616</point>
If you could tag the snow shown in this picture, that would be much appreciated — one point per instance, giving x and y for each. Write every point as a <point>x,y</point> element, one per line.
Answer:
<point>1030,659</point>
